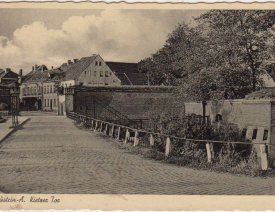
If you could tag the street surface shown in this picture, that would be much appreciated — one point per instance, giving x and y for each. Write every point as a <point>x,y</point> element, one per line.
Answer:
<point>51,155</point>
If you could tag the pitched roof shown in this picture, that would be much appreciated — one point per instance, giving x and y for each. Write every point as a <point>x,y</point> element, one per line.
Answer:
<point>41,76</point>
<point>128,73</point>
<point>74,70</point>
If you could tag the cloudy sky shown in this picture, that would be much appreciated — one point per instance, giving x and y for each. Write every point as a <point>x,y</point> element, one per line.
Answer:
<point>51,37</point>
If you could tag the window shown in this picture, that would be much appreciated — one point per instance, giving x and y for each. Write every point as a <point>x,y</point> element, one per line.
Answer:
<point>106,74</point>
<point>101,73</point>
<point>94,73</point>
<point>54,102</point>
<point>254,135</point>
<point>218,117</point>
<point>90,73</point>
<point>47,89</point>
<point>95,63</point>
<point>80,107</point>
<point>265,135</point>
<point>45,103</point>
<point>85,72</point>
<point>44,89</point>
<point>99,63</point>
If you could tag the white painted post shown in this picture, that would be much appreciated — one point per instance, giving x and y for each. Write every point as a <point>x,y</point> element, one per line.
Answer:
<point>152,140</point>
<point>210,152</point>
<point>118,133</point>
<point>168,147</point>
<point>92,124</point>
<point>96,125</point>
<point>263,155</point>
<point>112,131</point>
<point>106,129</point>
<point>127,136</point>
<point>136,139</point>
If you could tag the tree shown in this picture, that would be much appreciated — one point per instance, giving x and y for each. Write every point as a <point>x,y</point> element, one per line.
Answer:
<point>181,54</point>
<point>239,39</point>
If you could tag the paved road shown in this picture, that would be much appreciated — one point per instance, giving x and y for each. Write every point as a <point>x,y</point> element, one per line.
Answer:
<point>51,155</point>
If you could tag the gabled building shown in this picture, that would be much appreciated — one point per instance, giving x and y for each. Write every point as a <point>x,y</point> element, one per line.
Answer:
<point>89,71</point>
<point>7,76</point>
<point>31,89</point>
<point>128,73</point>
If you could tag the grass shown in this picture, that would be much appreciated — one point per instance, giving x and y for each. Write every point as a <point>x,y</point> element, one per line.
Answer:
<point>196,159</point>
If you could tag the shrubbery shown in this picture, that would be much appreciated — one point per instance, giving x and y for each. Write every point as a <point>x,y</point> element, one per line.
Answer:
<point>235,158</point>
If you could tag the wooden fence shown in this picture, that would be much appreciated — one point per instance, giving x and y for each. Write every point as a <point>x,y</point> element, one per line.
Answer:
<point>128,134</point>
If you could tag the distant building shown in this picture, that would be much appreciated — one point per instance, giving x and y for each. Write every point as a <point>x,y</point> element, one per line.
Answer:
<point>128,73</point>
<point>43,89</point>
<point>7,76</point>
<point>31,89</point>
<point>89,71</point>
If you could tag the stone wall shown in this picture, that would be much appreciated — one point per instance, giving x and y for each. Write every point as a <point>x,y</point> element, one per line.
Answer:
<point>247,114</point>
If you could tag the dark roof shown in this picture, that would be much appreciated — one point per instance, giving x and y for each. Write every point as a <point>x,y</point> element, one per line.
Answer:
<point>74,70</point>
<point>267,93</point>
<point>41,76</point>
<point>128,73</point>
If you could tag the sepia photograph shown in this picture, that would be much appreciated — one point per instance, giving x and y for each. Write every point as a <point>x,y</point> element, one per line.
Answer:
<point>136,101</point>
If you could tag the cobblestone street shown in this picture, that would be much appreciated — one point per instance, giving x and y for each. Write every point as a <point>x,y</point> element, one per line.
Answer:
<point>51,155</point>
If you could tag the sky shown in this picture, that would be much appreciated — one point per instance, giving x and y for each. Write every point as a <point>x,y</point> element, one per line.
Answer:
<point>52,36</point>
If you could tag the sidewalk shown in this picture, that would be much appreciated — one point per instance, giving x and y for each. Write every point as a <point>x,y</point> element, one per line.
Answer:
<point>6,130</point>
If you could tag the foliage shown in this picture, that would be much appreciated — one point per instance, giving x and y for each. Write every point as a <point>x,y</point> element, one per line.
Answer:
<point>222,57</point>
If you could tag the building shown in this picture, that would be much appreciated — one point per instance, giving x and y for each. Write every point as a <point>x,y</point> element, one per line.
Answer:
<point>7,76</point>
<point>128,73</point>
<point>31,89</point>
<point>88,71</point>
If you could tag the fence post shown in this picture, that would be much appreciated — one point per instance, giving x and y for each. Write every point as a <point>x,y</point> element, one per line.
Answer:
<point>152,140</point>
<point>210,152</point>
<point>136,139</point>
<point>263,156</point>
<point>112,131</point>
<point>92,124</point>
<point>118,133</point>
<point>168,147</point>
<point>106,129</point>
<point>96,125</point>
<point>127,136</point>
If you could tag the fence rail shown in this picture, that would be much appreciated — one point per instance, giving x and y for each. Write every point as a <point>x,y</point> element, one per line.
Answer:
<point>121,132</point>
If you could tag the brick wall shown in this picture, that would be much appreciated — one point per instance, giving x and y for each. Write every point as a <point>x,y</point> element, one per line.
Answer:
<point>133,104</point>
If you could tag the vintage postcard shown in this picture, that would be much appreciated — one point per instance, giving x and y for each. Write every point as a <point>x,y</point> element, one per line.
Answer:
<point>137,106</point>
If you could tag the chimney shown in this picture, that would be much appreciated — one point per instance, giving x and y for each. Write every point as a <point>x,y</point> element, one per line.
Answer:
<point>52,67</point>
<point>21,72</point>
<point>75,60</point>
<point>7,70</point>
<point>35,67</point>
<point>69,62</point>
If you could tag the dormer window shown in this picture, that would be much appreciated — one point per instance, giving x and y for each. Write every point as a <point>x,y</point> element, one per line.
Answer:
<point>95,63</point>
<point>99,63</point>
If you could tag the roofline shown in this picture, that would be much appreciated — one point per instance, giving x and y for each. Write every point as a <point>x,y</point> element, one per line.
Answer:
<point>125,88</point>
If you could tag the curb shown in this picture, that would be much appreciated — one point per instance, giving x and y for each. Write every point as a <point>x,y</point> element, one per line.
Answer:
<point>13,130</point>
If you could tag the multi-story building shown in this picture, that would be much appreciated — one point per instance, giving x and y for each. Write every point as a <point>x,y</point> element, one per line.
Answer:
<point>42,89</point>
<point>31,93</point>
